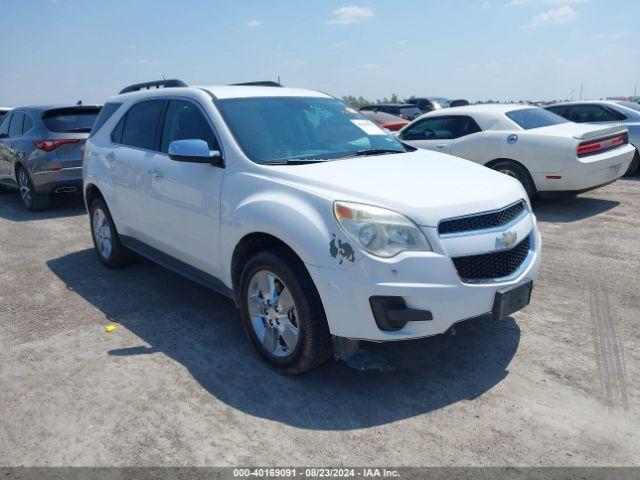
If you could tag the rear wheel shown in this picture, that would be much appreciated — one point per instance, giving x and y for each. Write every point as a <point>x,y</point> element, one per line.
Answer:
<point>518,172</point>
<point>633,166</point>
<point>30,198</point>
<point>282,312</point>
<point>106,241</point>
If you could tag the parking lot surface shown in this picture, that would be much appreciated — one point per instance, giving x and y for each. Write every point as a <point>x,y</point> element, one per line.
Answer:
<point>177,383</point>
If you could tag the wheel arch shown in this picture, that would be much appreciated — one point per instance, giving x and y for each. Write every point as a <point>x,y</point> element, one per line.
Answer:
<point>248,246</point>
<point>524,169</point>
<point>91,192</point>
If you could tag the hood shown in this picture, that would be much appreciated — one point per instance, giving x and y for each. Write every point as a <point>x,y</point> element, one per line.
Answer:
<point>423,185</point>
<point>580,131</point>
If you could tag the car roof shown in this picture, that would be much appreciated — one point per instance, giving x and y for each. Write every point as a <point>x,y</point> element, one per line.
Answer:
<point>389,105</point>
<point>226,91</point>
<point>484,108</point>
<point>245,91</point>
<point>583,102</point>
<point>43,108</point>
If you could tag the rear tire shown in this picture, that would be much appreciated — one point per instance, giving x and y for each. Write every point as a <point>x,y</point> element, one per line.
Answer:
<point>106,240</point>
<point>282,312</point>
<point>633,166</point>
<point>32,200</point>
<point>518,172</point>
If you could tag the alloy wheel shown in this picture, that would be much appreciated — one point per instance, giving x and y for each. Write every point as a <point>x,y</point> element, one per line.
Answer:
<point>273,314</point>
<point>102,233</point>
<point>25,187</point>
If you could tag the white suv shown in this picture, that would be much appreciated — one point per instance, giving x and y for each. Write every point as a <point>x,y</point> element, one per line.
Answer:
<point>322,227</point>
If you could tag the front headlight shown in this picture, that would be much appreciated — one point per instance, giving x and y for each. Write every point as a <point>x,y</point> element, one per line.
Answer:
<point>380,231</point>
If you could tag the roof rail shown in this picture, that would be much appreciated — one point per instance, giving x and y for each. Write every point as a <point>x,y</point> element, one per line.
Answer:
<point>157,84</point>
<point>264,83</point>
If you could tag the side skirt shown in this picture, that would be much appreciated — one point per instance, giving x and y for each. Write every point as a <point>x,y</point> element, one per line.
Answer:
<point>177,266</point>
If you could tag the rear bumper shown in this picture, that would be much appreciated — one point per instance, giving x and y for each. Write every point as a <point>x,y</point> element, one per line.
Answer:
<point>54,182</point>
<point>583,174</point>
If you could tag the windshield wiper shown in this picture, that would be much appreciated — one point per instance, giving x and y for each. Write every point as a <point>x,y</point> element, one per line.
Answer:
<point>373,151</point>
<point>297,161</point>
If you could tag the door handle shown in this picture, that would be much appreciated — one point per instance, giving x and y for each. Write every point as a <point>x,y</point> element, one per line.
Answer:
<point>441,146</point>
<point>156,173</point>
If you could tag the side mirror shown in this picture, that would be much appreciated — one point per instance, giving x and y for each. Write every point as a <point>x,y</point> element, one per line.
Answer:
<point>194,151</point>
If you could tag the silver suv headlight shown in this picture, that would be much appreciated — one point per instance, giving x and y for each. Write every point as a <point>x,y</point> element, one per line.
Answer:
<point>380,231</point>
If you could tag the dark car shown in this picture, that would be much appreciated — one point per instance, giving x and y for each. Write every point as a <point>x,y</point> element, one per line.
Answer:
<point>402,110</point>
<point>4,111</point>
<point>386,120</point>
<point>428,104</point>
<point>41,150</point>
<point>460,102</point>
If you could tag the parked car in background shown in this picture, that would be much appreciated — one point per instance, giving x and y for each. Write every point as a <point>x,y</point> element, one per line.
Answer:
<point>605,112</point>
<point>459,103</point>
<point>428,104</point>
<point>4,111</point>
<point>386,120</point>
<point>544,151</point>
<point>300,228</point>
<point>41,150</point>
<point>402,110</point>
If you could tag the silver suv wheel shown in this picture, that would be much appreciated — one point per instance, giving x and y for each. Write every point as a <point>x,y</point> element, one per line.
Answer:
<point>273,313</point>
<point>25,187</point>
<point>101,232</point>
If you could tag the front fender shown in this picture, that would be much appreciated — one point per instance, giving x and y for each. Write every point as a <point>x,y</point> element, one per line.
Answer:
<point>300,219</point>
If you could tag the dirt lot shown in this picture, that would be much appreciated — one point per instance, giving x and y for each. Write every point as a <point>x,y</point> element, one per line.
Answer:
<point>178,384</point>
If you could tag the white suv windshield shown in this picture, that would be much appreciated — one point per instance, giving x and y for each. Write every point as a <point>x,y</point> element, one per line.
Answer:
<point>280,129</point>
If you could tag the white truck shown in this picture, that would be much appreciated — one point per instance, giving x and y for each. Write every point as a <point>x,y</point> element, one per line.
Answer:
<point>322,227</point>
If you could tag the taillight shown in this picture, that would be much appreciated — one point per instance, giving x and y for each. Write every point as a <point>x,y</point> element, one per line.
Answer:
<point>595,146</point>
<point>51,145</point>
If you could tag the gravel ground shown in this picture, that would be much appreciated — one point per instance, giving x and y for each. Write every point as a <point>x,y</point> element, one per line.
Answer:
<point>177,383</point>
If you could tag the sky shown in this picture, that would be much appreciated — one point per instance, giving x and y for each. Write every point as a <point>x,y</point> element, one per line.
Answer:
<point>59,51</point>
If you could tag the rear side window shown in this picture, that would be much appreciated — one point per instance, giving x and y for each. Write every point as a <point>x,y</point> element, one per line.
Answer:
<point>70,120</point>
<point>185,121</point>
<point>529,118</point>
<point>592,114</point>
<point>4,126</point>
<point>442,128</point>
<point>139,126</point>
<point>105,114</point>
<point>410,111</point>
<point>27,124</point>
<point>15,128</point>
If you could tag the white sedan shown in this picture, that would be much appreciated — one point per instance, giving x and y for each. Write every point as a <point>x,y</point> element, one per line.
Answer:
<point>545,152</point>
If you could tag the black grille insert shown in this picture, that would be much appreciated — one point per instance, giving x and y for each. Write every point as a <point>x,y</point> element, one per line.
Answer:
<point>482,221</point>
<point>492,265</point>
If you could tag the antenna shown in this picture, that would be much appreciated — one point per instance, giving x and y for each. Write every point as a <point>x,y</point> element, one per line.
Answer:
<point>581,86</point>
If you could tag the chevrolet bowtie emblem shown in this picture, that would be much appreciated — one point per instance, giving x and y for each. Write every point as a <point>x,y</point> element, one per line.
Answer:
<point>507,239</point>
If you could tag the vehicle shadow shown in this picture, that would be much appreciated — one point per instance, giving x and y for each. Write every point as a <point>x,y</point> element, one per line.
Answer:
<point>571,208</point>
<point>202,331</point>
<point>60,206</point>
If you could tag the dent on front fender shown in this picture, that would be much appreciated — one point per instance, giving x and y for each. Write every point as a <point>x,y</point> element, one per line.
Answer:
<point>303,222</point>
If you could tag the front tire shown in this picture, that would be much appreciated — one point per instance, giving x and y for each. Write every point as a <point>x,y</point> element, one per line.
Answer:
<point>106,241</point>
<point>518,172</point>
<point>32,200</point>
<point>282,312</point>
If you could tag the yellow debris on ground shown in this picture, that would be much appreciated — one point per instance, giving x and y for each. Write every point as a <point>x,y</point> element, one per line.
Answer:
<point>110,328</point>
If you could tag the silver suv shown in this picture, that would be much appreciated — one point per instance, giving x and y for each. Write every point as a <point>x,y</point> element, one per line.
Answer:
<point>41,151</point>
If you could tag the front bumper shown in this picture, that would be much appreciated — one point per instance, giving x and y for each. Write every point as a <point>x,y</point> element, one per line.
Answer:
<point>52,181</point>
<point>587,173</point>
<point>427,281</point>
